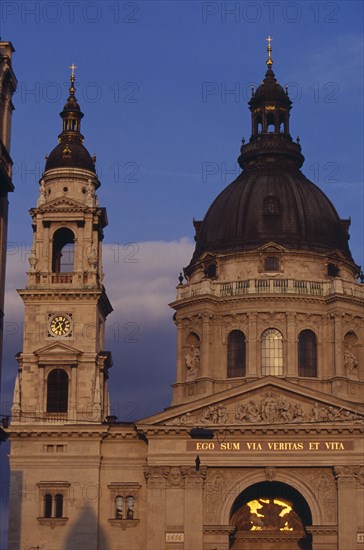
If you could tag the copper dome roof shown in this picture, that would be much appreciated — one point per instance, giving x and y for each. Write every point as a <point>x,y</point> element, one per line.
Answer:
<point>272,205</point>
<point>70,154</point>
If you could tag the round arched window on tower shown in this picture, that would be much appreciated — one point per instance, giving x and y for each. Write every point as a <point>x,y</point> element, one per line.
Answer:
<point>272,352</point>
<point>236,354</point>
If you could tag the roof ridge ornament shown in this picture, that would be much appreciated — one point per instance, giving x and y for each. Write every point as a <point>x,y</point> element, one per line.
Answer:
<point>269,61</point>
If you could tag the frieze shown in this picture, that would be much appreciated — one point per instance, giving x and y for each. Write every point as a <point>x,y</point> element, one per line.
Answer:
<point>214,414</point>
<point>269,409</point>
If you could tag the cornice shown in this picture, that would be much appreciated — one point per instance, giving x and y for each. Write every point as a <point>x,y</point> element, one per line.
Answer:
<point>256,430</point>
<point>33,294</point>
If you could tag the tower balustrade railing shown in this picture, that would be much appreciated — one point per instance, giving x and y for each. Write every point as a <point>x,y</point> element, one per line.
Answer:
<point>270,286</point>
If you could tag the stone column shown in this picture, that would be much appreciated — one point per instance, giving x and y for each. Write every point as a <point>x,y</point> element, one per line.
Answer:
<point>180,355</point>
<point>338,346</point>
<point>292,356</point>
<point>205,347</point>
<point>45,263</point>
<point>72,408</point>
<point>156,504</point>
<point>194,483</point>
<point>251,366</point>
<point>346,482</point>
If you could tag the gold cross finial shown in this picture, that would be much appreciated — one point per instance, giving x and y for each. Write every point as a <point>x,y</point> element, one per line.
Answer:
<point>269,61</point>
<point>73,67</point>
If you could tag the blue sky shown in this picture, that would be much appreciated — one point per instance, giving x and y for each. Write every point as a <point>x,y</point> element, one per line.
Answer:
<point>164,88</point>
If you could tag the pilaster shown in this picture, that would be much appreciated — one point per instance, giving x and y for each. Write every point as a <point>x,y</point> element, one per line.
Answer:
<point>156,504</point>
<point>194,484</point>
<point>346,482</point>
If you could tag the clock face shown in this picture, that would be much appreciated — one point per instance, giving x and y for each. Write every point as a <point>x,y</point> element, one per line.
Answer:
<point>60,325</point>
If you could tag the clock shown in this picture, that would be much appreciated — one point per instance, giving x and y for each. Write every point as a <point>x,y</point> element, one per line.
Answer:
<point>59,325</point>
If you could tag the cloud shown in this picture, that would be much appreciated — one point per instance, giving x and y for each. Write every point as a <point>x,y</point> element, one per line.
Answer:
<point>141,279</point>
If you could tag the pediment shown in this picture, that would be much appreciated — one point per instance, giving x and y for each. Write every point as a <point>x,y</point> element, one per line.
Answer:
<point>271,247</point>
<point>336,255</point>
<point>63,203</point>
<point>56,353</point>
<point>208,257</point>
<point>263,402</point>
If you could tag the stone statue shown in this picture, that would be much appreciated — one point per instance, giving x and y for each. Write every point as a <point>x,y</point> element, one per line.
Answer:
<point>90,194</point>
<point>42,193</point>
<point>269,408</point>
<point>214,414</point>
<point>192,362</point>
<point>350,364</point>
<point>92,258</point>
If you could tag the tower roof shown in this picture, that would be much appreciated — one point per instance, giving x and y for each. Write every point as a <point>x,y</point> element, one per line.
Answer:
<point>70,151</point>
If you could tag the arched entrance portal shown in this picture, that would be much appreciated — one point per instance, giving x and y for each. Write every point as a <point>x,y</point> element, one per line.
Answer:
<point>270,516</point>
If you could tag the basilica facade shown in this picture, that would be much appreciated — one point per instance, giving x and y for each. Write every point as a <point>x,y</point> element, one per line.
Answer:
<point>262,447</point>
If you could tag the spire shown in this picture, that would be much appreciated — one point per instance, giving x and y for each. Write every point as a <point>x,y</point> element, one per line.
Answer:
<point>71,114</point>
<point>269,61</point>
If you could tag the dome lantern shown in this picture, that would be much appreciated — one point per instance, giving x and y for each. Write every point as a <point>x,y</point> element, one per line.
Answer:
<point>270,108</point>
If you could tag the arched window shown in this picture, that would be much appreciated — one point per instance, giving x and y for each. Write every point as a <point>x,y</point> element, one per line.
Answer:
<point>236,354</point>
<point>47,505</point>
<point>63,251</point>
<point>59,505</point>
<point>130,502</point>
<point>270,123</point>
<point>119,507</point>
<point>272,352</point>
<point>307,353</point>
<point>57,391</point>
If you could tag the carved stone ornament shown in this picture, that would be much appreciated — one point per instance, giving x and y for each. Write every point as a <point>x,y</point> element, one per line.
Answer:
<point>41,198</point>
<point>346,474</point>
<point>269,409</point>
<point>270,473</point>
<point>175,477</point>
<point>185,419</point>
<point>156,476</point>
<point>192,476</point>
<point>92,258</point>
<point>214,494</point>
<point>192,362</point>
<point>350,363</point>
<point>32,260</point>
<point>214,414</point>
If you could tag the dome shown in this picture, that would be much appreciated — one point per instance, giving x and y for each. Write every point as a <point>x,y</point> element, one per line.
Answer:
<point>271,200</point>
<point>272,204</point>
<point>70,154</point>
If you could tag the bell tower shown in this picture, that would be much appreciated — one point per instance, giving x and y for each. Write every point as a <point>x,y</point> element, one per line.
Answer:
<point>63,368</point>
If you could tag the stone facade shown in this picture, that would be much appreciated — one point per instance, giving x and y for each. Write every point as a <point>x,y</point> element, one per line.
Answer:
<point>268,456</point>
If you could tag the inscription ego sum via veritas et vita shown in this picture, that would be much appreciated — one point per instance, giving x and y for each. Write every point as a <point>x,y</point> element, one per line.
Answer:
<point>270,446</point>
